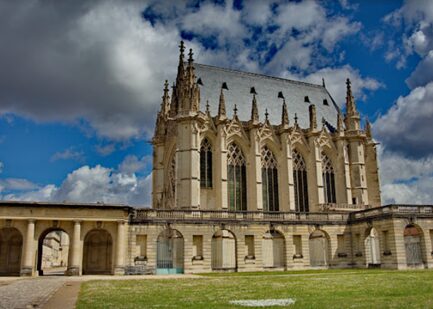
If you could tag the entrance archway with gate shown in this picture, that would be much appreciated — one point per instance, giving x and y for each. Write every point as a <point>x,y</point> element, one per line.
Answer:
<point>53,250</point>
<point>413,245</point>
<point>273,250</point>
<point>97,255</point>
<point>11,244</point>
<point>372,247</point>
<point>170,252</point>
<point>223,251</point>
<point>319,249</point>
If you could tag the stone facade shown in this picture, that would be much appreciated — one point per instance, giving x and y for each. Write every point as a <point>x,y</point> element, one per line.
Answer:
<point>236,194</point>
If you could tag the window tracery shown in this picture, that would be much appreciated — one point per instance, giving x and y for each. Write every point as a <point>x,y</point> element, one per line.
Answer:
<point>269,180</point>
<point>236,178</point>
<point>300,182</point>
<point>206,164</point>
<point>328,176</point>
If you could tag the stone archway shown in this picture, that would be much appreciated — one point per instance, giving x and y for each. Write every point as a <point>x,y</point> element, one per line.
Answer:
<point>170,252</point>
<point>412,244</point>
<point>273,249</point>
<point>224,251</point>
<point>372,247</point>
<point>53,250</point>
<point>97,255</point>
<point>11,243</point>
<point>319,249</point>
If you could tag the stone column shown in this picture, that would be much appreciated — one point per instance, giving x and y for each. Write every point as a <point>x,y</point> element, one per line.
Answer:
<point>119,268</point>
<point>29,252</point>
<point>75,251</point>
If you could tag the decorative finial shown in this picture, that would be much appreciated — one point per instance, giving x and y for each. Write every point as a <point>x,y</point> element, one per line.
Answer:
<point>181,48</point>
<point>313,117</point>
<point>339,122</point>
<point>254,110</point>
<point>323,83</point>
<point>266,115</point>
<point>190,59</point>
<point>207,107</point>
<point>222,105</point>
<point>367,128</point>
<point>296,119</point>
<point>235,110</point>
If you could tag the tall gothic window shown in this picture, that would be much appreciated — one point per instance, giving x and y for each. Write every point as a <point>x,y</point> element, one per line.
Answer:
<point>171,183</point>
<point>236,178</point>
<point>328,179</point>
<point>269,180</point>
<point>206,164</point>
<point>300,182</point>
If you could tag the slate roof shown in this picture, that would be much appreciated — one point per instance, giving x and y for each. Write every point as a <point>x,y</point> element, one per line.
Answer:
<point>267,89</point>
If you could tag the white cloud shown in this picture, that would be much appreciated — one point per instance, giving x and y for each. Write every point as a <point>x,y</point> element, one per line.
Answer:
<point>423,72</point>
<point>335,79</point>
<point>131,164</point>
<point>405,180</point>
<point>407,126</point>
<point>105,150</point>
<point>68,154</point>
<point>90,185</point>
<point>256,12</point>
<point>16,184</point>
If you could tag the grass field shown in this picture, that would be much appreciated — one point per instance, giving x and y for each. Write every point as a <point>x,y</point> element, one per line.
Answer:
<point>310,289</point>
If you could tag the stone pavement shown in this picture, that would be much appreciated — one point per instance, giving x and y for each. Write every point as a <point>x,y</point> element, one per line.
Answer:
<point>51,291</point>
<point>29,292</point>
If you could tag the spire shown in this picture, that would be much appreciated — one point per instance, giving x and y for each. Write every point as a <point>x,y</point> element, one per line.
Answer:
<point>207,108</point>
<point>180,67</point>
<point>367,128</point>
<point>313,117</point>
<point>323,83</point>
<point>235,112</point>
<point>296,119</point>
<point>165,105</point>
<point>350,101</point>
<point>284,115</point>
<point>190,68</point>
<point>340,122</point>
<point>254,111</point>
<point>266,116</point>
<point>222,106</point>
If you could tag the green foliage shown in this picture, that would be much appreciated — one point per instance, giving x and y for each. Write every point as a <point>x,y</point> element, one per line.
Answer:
<point>311,289</point>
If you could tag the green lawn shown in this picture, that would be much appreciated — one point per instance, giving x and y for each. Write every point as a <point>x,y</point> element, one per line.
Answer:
<point>311,289</point>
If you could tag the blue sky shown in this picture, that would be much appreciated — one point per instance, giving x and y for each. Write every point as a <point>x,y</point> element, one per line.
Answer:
<point>80,83</point>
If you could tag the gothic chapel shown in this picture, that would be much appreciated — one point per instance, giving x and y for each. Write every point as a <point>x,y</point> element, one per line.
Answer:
<point>250,173</point>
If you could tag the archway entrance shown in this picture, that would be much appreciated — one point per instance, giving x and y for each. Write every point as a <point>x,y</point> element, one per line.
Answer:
<point>412,243</point>
<point>223,251</point>
<point>11,243</point>
<point>372,248</point>
<point>273,249</point>
<point>53,250</point>
<point>97,255</point>
<point>170,256</point>
<point>318,243</point>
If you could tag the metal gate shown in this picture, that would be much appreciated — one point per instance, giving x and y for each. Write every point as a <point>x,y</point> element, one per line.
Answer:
<point>170,256</point>
<point>413,250</point>
<point>318,244</point>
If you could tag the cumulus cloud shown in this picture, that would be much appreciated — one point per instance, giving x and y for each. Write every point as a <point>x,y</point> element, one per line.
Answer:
<point>16,184</point>
<point>131,164</point>
<point>423,72</point>
<point>407,126</point>
<point>89,185</point>
<point>405,180</point>
<point>335,80</point>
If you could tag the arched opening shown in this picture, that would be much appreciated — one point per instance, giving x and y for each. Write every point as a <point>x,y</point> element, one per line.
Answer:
<point>223,251</point>
<point>11,243</point>
<point>328,177</point>
<point>319,246</point>
<point>273,250</point>
<point>300,182</point>
<point>53,250</point>
<point>170,252</point>
<point>412,243</point>
<point>269,180</point>
<point>97,254</point>
<point>236,178</point>
<point>372,248</point>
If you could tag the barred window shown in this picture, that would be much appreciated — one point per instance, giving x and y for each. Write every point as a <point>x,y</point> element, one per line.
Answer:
<point>236,178</point>
<point>300,182</point>
<point>206,164</point>
<point>269,180</point>
<point>328,179</point>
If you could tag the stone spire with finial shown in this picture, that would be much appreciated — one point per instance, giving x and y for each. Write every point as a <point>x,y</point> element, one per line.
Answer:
<point>254,111</point>
<point>340,126</point>
<point>222,106</point>
<point>352,118</point>
<point>266,116</point>
<point>165,105</point>
<point>313,117</point>
<point>296,120</point>
<point>284,115</point>
<point>235,112</point>
<point>368,128</point>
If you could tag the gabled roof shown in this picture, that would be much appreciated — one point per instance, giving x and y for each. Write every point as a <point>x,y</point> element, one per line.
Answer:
<point>267,89</point>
